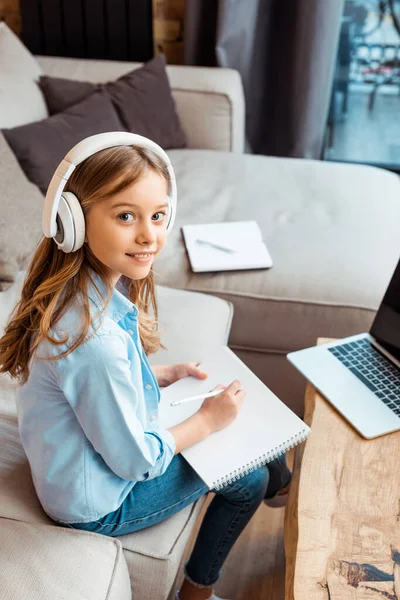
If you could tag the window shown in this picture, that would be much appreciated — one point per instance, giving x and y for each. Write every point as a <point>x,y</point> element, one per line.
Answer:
<point>364,115</point>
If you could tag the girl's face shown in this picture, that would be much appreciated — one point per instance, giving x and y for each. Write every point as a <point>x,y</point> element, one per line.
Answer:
<point>128,230</point>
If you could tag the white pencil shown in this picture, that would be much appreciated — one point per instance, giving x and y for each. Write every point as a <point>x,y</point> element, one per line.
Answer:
<point>200,397</point>
<point>217,246</point>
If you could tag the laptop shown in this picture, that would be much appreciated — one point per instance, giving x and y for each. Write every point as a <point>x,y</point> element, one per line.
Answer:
<point>360,374</point>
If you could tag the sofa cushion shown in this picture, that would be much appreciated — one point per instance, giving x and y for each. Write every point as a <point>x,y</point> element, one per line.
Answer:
<point>21,100</point>
<point>142,98</point>
<point>18,498</point>
<point>332,231</point>
<point>20,216</point>
<point>154,555</point>
<point>41,146</point>
<point>43,562</point>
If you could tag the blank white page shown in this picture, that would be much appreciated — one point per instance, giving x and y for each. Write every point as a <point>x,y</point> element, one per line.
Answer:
<point>264,428</point>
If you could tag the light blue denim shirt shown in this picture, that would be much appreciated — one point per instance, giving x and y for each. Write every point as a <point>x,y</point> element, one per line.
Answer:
<point>89,422</point>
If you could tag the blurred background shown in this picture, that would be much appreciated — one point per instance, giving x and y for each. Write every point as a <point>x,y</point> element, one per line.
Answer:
<point>321,77</point>
<point>363,122</point>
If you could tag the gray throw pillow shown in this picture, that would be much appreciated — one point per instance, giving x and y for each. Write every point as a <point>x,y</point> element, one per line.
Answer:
<point>20,216</point>
<point>142,98</point>
<point>41,146</point>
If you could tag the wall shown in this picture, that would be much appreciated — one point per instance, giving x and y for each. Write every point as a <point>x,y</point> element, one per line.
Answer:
<point>168,25</point>
<point>168,29</point>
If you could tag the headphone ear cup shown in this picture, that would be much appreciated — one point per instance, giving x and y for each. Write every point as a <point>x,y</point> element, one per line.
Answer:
<point>79,219</point>
<point>170,215</point>
<point>71,223</point>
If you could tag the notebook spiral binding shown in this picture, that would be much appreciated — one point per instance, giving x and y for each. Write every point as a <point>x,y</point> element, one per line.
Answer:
<point>261,460</point>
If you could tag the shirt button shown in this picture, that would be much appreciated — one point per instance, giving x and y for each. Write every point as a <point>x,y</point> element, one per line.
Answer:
<point>131,331</point>
<point>153,417</point>
<point>148,386</point>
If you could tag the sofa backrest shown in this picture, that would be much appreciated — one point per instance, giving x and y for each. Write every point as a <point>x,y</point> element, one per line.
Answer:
<point>209,100</point>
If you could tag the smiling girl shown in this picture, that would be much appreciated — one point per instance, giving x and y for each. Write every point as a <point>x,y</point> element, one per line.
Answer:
<point>78,341</point>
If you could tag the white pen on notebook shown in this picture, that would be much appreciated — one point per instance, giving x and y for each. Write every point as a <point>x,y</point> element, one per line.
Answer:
<point>199,397</point>
<point>216,246</point>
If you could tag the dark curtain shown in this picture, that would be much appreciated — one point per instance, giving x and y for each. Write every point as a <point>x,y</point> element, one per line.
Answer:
<point>285,51</point>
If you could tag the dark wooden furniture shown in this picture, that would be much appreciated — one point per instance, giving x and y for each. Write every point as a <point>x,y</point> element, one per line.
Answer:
<point>107,29</point>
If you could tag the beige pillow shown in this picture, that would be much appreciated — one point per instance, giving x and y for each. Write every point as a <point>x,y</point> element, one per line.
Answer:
<point>20,216</point>
<point>21,100</point>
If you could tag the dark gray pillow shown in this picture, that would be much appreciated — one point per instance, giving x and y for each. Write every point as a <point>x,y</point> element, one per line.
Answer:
<point>60,94</point>
<point>142,98</point>
<point>42,145</point>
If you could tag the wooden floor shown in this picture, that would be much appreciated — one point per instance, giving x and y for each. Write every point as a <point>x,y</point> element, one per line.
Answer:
<point>255,568</point>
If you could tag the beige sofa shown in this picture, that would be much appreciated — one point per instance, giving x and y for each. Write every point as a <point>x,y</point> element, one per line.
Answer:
<point>333,233</point>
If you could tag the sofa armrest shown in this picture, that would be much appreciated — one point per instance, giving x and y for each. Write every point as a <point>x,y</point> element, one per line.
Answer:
<point>46,562</point>
<point>192,324</point>
<point>209,100</point>
<point>210,104</point>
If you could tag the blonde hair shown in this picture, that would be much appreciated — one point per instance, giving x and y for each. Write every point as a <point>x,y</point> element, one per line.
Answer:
<point>54,278</point>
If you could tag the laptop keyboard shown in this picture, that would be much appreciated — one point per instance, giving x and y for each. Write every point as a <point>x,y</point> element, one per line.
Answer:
<point>373,369</point>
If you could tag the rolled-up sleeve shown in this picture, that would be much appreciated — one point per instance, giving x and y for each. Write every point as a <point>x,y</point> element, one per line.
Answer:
<point>97,382</point>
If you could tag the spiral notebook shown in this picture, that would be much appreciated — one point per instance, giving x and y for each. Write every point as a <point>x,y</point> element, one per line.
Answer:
<point>264,428</point>
<point>230,246</point>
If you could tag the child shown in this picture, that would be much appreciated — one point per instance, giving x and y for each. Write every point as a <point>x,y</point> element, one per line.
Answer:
<point>78,342</point>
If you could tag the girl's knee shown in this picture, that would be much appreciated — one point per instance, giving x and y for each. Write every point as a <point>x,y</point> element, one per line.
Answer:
<point>256,482</point>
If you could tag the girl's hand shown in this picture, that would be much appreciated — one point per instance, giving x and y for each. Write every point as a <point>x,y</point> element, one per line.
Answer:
<point>167,374</point>
<point>219,411</point>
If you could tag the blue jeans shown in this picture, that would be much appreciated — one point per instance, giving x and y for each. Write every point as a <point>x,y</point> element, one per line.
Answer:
<point>150,502</point>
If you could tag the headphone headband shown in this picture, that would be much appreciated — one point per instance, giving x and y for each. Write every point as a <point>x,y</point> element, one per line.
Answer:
<point>81,152</point>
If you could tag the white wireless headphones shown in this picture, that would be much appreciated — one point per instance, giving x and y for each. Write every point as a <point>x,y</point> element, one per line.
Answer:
<point>63,217</point>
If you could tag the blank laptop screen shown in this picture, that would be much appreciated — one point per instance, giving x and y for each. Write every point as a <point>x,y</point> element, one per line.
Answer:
<point>386,326</point>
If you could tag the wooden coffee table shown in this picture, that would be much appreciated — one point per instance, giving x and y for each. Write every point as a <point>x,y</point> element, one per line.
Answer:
<point>342,522</point>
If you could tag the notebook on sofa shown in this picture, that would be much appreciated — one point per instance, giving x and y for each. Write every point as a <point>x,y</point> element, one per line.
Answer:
<point>227,246</point>
<point>264,428</point>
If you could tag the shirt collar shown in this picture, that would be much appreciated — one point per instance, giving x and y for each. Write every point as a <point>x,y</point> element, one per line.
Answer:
<point>119,304</point>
